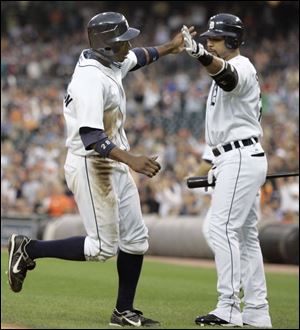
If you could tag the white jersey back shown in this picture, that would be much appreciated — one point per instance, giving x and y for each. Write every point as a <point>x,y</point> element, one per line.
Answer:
<point>234,115</point>
<point>96,98</point>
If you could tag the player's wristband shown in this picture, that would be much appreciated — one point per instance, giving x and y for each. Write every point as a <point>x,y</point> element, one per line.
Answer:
<point>142,59</point>
<point>206,58</point>
<point>104,147</point>
<point>153,54</point>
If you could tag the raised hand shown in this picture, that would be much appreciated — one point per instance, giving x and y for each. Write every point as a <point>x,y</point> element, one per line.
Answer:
<point>193,48</point>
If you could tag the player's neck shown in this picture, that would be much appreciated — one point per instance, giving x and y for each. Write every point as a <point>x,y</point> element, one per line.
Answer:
<point>99,57</point>
<point>231,54</point>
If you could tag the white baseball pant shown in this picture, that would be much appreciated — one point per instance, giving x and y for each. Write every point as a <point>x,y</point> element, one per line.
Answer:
<point>109,204</point>
<point>234,236</point>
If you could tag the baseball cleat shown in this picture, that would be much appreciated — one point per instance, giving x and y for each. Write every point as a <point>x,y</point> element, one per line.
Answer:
<point>131,318</point>
<point>18,261</point>
<point>211,319</point>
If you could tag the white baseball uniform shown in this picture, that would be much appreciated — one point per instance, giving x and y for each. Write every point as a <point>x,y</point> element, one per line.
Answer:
<point>240,172</point>
<point>105,192</point>
<point>209,157</point>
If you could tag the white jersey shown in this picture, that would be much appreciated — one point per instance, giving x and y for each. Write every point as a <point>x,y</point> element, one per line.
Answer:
<point>96,98</point>
<point>208,154</point>
<point>234,115</point>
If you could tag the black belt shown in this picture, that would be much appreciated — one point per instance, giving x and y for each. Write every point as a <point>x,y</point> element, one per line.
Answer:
<point>237,144</point>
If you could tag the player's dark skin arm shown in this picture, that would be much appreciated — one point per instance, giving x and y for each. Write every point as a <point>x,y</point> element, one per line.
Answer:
<point>141,164</point>
<point>175,46</point>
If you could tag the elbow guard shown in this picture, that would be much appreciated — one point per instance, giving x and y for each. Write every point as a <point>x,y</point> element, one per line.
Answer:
<point>227,77</point>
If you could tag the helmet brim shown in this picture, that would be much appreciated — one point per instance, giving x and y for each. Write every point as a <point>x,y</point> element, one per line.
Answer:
<point>216,33</point>
<point>130,34</point>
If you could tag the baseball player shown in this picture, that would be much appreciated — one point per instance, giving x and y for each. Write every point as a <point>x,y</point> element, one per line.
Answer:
<point>233,131</point>
<point>97,165</point>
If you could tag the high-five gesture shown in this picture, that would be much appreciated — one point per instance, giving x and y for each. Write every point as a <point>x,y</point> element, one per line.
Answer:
<point>193,48</point>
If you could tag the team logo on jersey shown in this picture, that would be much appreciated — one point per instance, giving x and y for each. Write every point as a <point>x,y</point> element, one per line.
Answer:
<point>67,99</point>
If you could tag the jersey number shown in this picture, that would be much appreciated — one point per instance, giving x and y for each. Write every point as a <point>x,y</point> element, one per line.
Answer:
<point>68,100</point>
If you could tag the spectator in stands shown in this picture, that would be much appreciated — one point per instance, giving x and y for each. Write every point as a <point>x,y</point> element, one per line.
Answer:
<point>34,67</point>
<point>58,203</point>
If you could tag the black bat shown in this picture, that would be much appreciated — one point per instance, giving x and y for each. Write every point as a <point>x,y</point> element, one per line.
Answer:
<point>201,181</point>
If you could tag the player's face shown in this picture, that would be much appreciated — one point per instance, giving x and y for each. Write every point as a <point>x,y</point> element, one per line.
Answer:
<point>216,46</point>
<point>121,50</point>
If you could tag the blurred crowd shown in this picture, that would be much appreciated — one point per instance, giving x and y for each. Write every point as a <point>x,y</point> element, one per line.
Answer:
<point>40,45</point>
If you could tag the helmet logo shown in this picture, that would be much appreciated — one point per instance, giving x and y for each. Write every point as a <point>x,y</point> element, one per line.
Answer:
<point>110,30</point>
<point>211,25</point>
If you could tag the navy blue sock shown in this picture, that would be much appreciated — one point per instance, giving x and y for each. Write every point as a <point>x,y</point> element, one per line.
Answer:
<point>69,249</point>
<point>129,269</point>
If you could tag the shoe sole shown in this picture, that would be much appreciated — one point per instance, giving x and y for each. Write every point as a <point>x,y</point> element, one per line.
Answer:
<point>127,325</point>
<point>213,324</point>
<point>11,247</point>
<point>115,325</point>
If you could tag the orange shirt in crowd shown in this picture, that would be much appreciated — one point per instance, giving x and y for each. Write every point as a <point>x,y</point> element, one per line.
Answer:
<point>60,204</point>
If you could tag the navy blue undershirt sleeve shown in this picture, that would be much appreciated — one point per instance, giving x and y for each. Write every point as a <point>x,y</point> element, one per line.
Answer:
<point>90,136</point>
<point>93,138</point>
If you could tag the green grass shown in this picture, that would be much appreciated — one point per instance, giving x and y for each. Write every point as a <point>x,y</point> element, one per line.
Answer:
<point>72,295</point>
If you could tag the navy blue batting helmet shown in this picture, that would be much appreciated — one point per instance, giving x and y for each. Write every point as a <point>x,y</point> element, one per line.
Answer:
<point>228,26</point>
<point>107,29</point>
